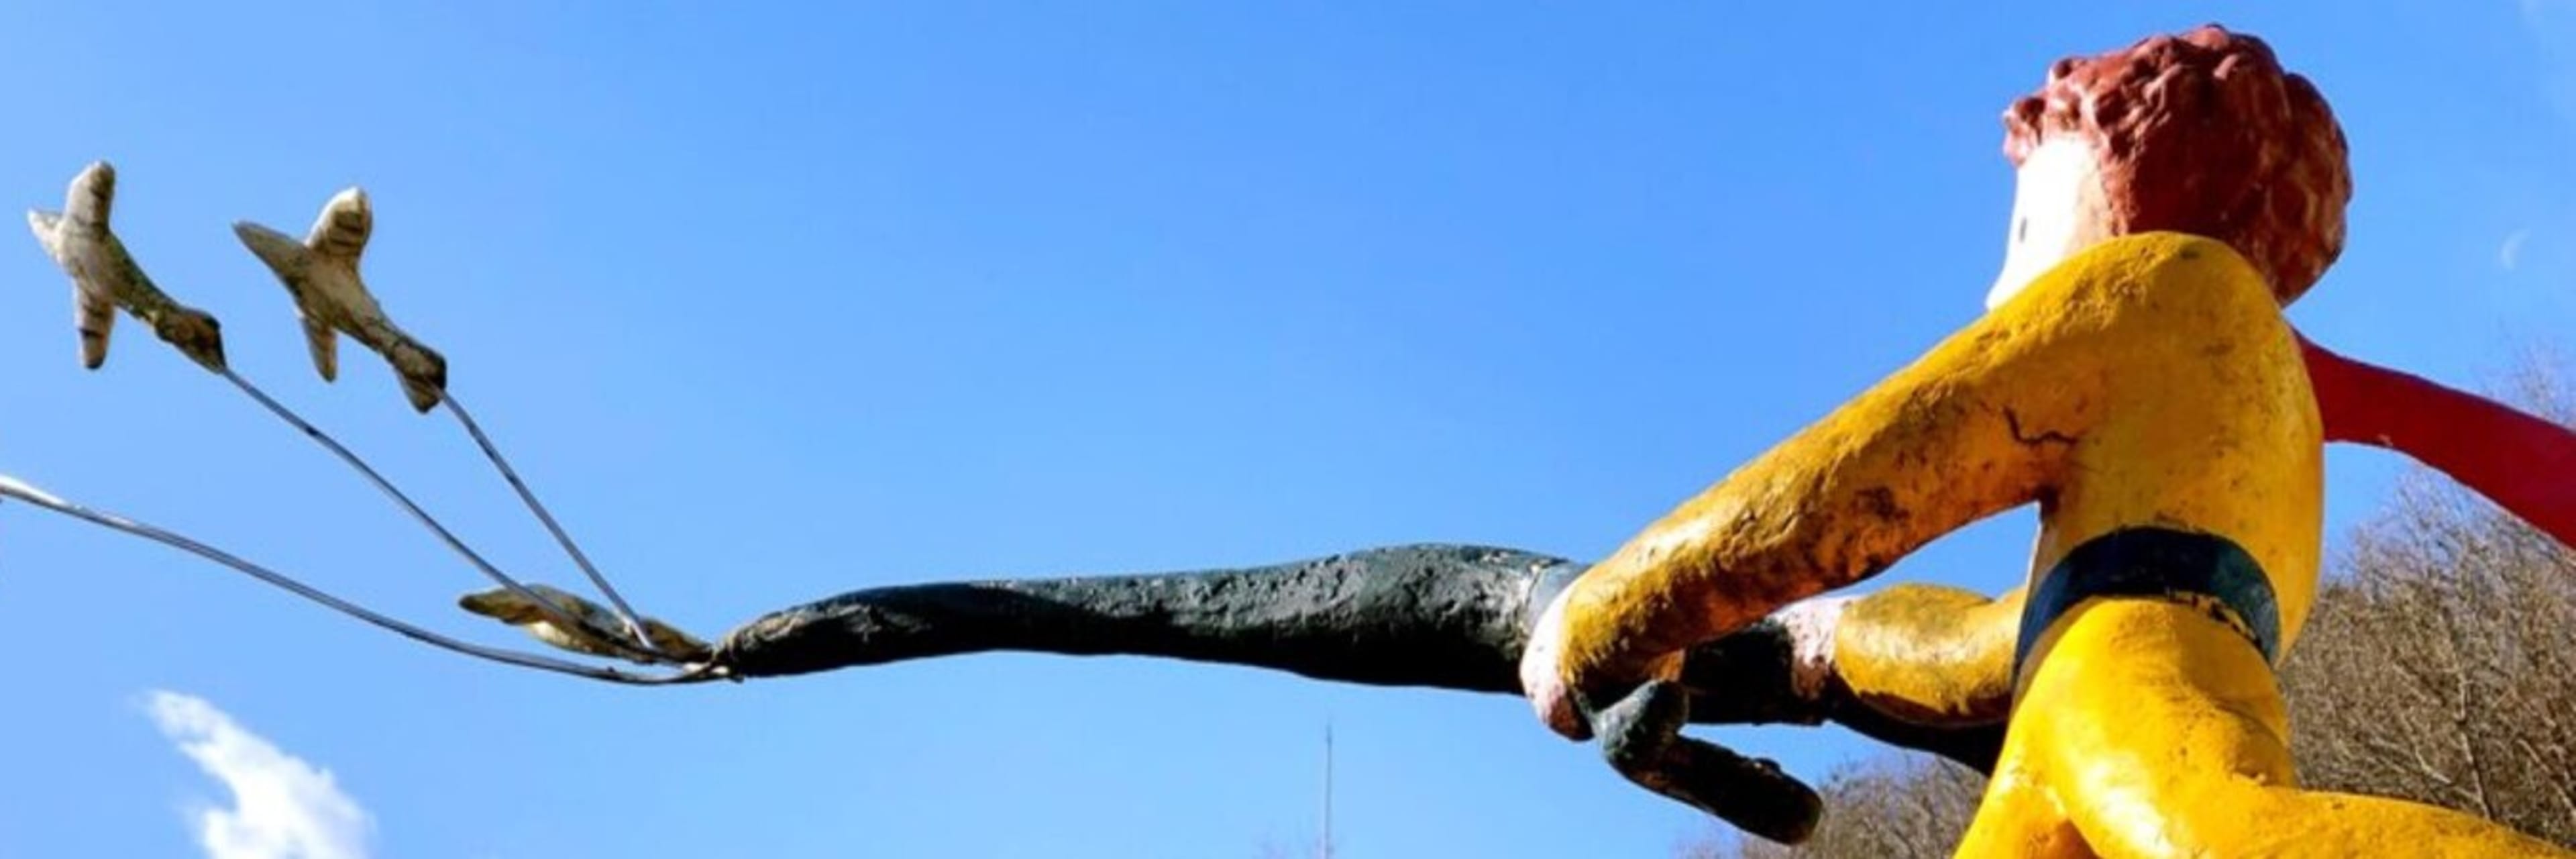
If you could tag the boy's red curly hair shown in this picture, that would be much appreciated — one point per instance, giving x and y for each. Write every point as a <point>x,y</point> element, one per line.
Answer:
<point>2203,133</point>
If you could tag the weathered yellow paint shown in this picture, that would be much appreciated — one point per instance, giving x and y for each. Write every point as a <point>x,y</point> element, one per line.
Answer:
<point>1929,654</point>
<point>2030,403</point>
<point>2147,381</point>
<point>2154,730</point>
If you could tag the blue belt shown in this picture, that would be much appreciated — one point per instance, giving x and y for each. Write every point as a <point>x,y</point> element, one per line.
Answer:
<point>2158,563</point>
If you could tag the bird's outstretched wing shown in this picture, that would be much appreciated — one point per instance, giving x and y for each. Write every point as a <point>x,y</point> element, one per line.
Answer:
<point>92,195</point>
<point>324,344</point>
<point>95,314</point>
<point>340,233</point>
<point>281,252</point>
<point>93,310</point>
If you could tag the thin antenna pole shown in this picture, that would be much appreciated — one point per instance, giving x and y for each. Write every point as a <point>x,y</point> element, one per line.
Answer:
<point>1324,847</point>
<point>625,613</point>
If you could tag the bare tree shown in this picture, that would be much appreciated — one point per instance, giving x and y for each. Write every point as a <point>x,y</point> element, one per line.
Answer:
<point>2442,667</point>
<point>1896,806</point>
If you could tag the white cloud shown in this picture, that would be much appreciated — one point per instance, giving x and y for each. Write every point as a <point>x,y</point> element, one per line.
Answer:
<point>2510,255</point>
<point>282,807</point>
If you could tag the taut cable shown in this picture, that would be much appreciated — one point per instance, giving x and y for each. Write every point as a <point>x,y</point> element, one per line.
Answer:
<point>566,619</point>
<point>13,488</point>
<point>625,614</point>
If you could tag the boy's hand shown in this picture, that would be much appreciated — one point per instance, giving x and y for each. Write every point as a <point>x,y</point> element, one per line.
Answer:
<point>1544,676</point>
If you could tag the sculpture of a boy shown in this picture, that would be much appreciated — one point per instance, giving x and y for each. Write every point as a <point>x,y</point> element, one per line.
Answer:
<point>1921,666</point>
<point>2133,377</point>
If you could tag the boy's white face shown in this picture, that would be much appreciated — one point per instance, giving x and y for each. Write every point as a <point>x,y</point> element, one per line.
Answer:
<point>2057,204</point>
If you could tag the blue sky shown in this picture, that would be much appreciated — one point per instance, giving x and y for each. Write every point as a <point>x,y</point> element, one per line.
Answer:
<point>773,304</point>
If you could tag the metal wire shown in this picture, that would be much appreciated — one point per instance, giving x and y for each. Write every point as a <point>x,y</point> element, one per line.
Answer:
<point>625,614</point>
<point>566,619</point>
<point>14,488</point>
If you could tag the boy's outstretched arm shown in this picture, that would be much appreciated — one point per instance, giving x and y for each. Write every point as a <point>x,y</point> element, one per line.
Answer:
<point>2082,363</point>
<point>2523,463</point>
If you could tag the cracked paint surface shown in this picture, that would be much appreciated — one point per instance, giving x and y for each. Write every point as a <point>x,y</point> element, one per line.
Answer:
<point>2148,381</point>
